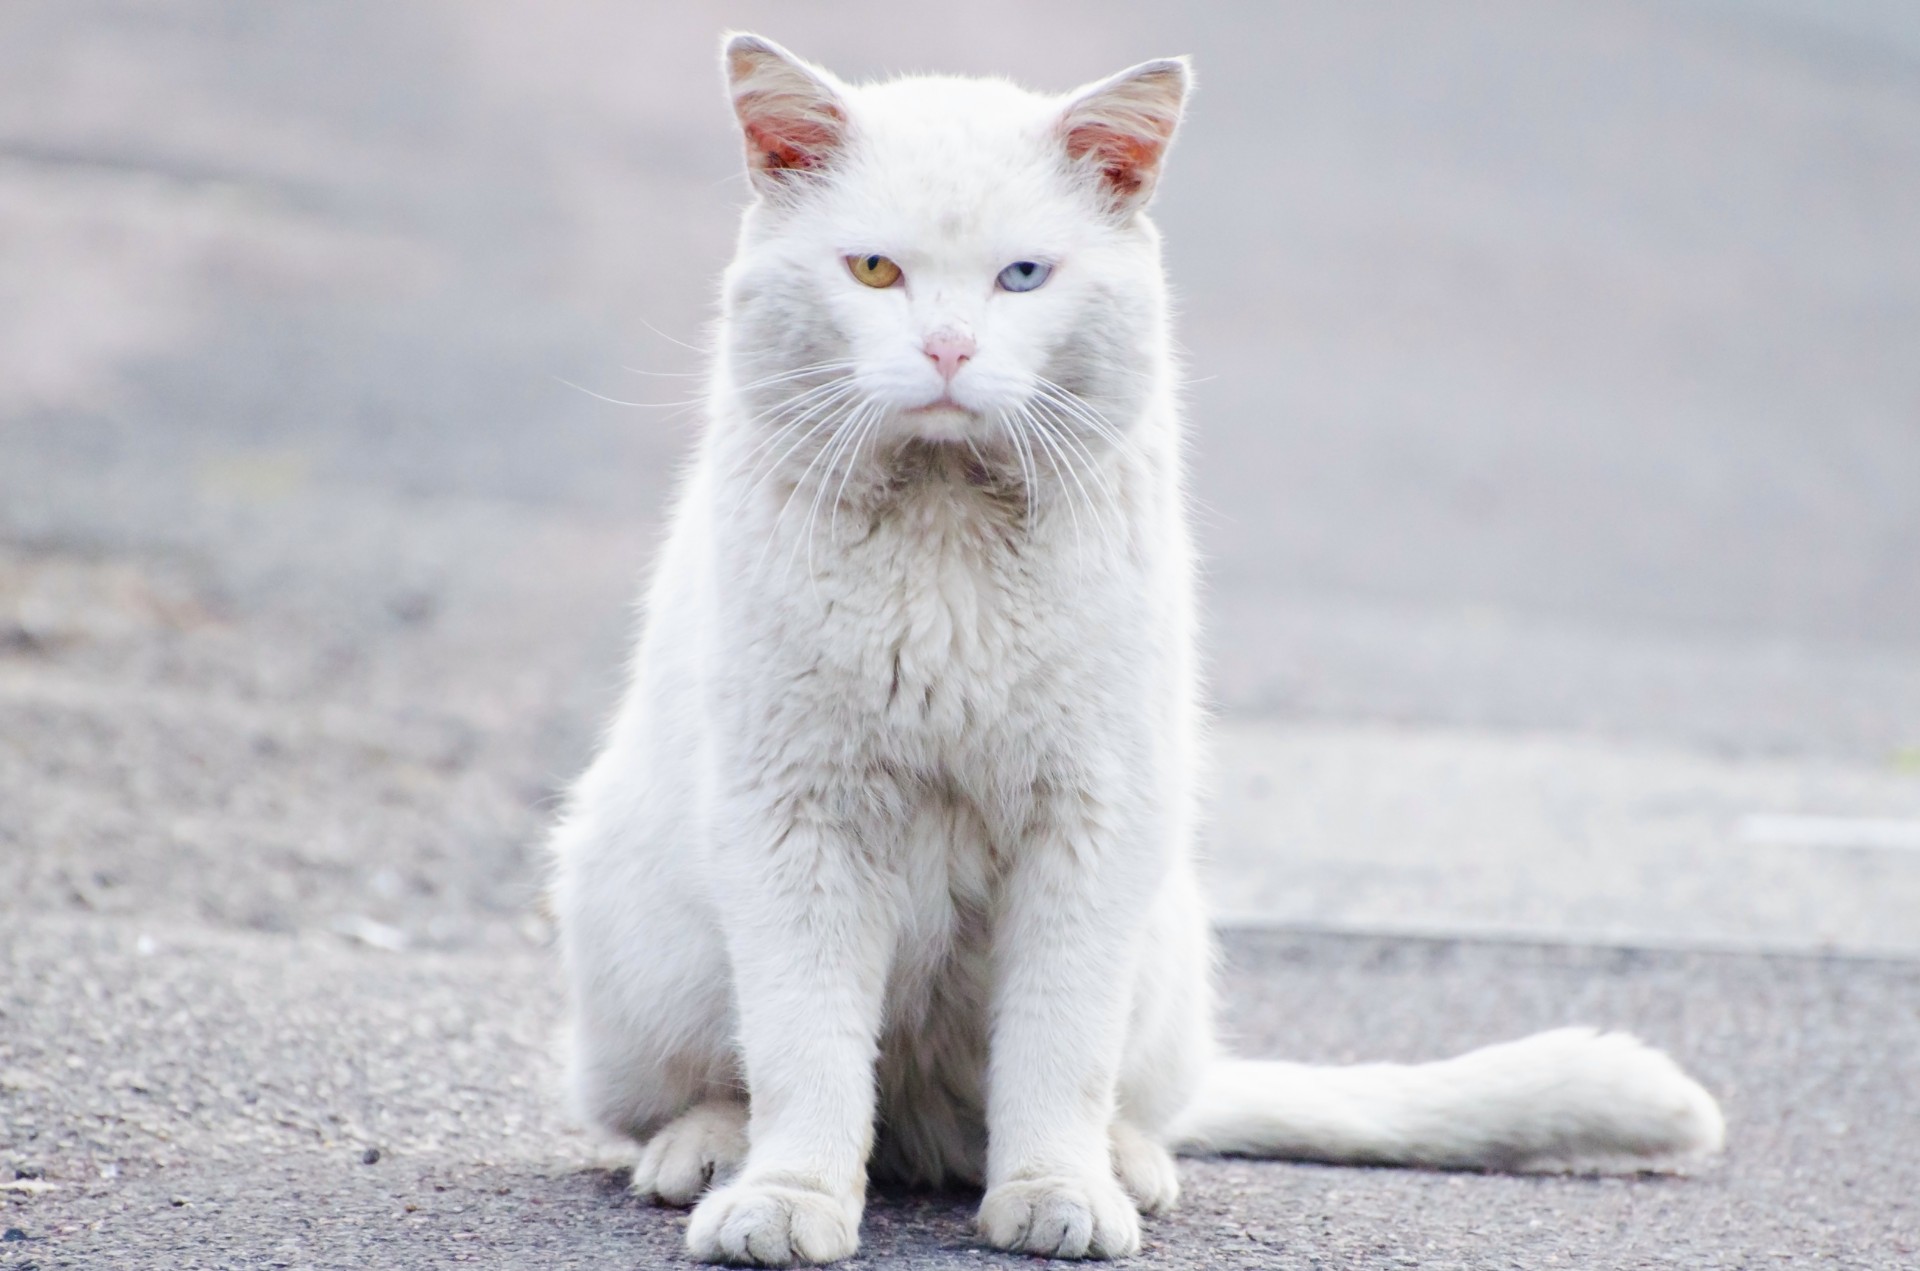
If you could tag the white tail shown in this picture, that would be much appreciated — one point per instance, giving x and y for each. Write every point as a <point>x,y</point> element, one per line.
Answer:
<point>1567,1099</point>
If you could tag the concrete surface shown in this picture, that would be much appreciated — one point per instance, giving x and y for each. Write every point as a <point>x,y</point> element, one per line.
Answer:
<point>203,1099</point>
<point>1555,400</point>
<point>1545,835</point>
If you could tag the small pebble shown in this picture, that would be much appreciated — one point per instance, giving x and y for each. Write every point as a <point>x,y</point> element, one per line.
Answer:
<point>370,1156</point>
<point>14,1233</point>
<point>179,1201</point>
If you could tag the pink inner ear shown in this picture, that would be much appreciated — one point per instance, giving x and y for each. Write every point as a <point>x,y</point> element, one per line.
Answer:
<point>1126,160</point>
<point>784,140</point>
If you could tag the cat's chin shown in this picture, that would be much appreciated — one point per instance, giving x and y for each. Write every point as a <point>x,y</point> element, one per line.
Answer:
<point>941,421</point>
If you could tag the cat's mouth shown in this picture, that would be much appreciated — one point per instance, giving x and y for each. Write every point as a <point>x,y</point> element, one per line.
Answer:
<point>938,406</point>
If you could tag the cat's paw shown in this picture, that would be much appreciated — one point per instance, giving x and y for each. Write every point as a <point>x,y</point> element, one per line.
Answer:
<point>703,1146</point>
<point>1145,1170</point>
<point>773,1225</point>
<point>1061,1218</point>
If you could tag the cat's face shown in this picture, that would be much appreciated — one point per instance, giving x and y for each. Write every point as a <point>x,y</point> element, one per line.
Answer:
<point>947,259</point>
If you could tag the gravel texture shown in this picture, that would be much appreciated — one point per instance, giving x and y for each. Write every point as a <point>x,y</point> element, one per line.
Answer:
<point>189,1099</point>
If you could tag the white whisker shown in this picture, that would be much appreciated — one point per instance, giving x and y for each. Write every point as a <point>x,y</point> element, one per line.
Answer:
<point>1026,464</point>
<point>796,409</point>
<point>773,530</point>
<point>669,338</point>
<point>822,415</point>
<point>615,401</point>
<point>1068,443</point>
<point>1039,433</point>
<point>794,373</point>
<point>1082,412</point>
<point>843,443</point>
<point>872,422</point>
<point>1085,410</point>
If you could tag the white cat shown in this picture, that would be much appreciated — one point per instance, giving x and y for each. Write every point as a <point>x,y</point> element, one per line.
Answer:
<point>887,860</point>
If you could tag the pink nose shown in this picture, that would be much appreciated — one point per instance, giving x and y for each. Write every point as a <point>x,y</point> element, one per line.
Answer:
<point>950,350</point>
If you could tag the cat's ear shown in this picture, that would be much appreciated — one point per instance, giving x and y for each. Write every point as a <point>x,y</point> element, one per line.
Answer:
<point>1119,128</point>
<point>792,118</point>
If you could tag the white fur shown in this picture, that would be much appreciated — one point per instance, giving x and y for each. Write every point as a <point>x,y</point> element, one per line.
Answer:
<point>894,827</point>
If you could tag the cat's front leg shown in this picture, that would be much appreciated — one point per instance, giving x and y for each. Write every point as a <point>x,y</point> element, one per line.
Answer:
<point>1064,949</point>
<point>809,935</point>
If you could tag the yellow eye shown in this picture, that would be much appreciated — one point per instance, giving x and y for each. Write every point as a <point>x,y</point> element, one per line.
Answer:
<point>875,271</point>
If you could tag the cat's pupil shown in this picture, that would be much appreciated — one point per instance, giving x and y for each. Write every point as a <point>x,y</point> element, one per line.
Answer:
<point>873,263</point>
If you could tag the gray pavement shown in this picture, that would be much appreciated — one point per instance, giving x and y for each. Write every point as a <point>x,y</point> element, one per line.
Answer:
<point>1555,392</point>
<point>201,1099</point>
<point>206,1099</point>
<point>1543,835</point>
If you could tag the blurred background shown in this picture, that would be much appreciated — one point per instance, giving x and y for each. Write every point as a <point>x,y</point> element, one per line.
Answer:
<point>1555,414</point>
<point>1555,409</point>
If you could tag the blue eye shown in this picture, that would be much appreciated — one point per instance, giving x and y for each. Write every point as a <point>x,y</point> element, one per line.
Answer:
<point>1023,275</point>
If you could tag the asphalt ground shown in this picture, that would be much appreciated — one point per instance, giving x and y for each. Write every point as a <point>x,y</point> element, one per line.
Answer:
<point>198,1099</point>
<point>1555,453</point>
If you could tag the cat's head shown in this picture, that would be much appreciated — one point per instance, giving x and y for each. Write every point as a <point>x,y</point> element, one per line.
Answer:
<point>934,256</point>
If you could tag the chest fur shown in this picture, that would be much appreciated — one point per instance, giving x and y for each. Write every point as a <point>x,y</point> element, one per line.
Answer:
<point>940,606</point>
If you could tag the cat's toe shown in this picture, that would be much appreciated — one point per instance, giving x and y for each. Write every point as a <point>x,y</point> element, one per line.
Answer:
<point>1061,1218</point>
<point>702,1147</point>
<point>1145,1170</point>
<point>773,1225</point>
